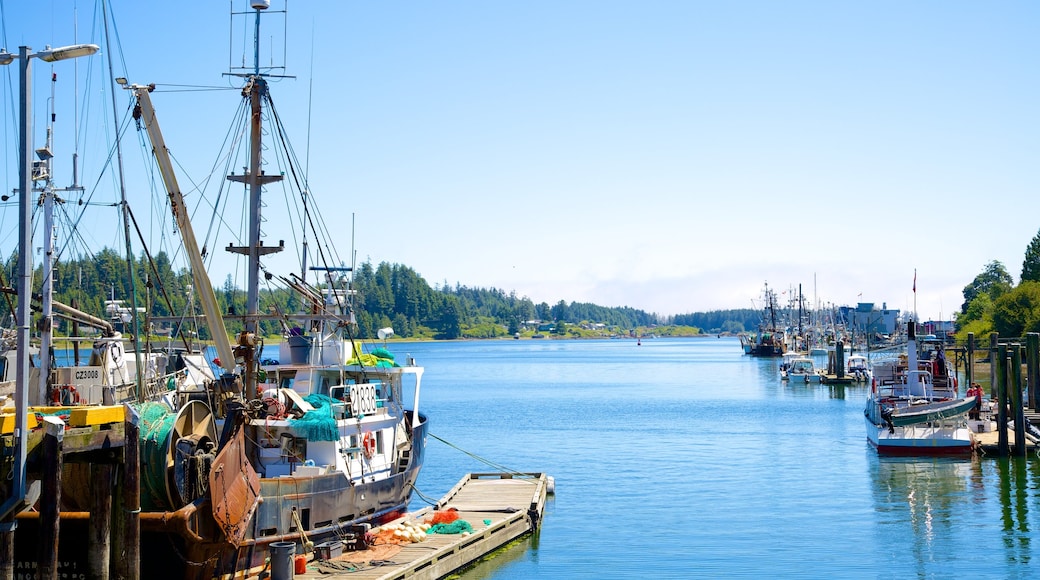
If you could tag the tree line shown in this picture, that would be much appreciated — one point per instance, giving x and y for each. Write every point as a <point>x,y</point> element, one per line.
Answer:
<point>384,295</point>
<point>993,303</point>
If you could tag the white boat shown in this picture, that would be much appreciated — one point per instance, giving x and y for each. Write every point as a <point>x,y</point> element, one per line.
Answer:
<point>907,414</point>
<point>803,369</point>
<point>858,366</point>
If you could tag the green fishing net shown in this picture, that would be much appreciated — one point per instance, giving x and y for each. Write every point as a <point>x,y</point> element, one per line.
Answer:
<point>319,424</point>
<point>456,527</point>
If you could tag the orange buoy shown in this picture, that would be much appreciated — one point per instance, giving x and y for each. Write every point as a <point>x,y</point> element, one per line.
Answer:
<point>301,564</point>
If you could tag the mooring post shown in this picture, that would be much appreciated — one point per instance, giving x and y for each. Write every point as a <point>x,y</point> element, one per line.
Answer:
<point>839,359</point>
<point>1018,409</point>
<point>1032,368</point>
<point>969,368</point>
<point>126,516</point>
<point>993,365</point>
<point>54,434</point>
<point>1000,363</point>
<point>99,543</point>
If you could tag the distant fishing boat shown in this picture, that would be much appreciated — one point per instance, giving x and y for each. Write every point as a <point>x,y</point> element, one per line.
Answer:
<point>770,340</point>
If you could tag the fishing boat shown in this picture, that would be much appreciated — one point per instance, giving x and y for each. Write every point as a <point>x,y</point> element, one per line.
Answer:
<point>770,341</point>
<point>907,414</point>
<point>316,446</point>
<point>312,447</point>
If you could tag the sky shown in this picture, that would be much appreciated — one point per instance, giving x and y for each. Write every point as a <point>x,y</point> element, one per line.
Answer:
<point>671,155</point>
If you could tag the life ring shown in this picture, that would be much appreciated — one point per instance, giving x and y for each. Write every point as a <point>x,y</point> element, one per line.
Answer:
<point>368,446</point>
<point>116,350</point>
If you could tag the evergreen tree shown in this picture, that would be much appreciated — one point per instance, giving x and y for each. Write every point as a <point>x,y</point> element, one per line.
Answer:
<point>1031,263</point>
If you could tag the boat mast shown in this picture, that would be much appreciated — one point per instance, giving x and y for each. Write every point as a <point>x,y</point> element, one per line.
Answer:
<point>254,179</point>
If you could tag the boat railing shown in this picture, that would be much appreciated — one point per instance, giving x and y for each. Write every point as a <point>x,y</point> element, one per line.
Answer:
<point>911,384</point>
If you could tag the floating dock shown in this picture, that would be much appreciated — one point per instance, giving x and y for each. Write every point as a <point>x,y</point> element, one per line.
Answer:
<point>500,507</point>
<point>989,442</point>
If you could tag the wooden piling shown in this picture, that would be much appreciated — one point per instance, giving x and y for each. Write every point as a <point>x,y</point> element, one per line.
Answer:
<point>126,521</point>
<point>98,541</point>
<point>1033,368</point>
<point>993,365</point>
<point>1017,407</point>
<point>969,368</point>
<point>54,434</point>
<point>999,366</point>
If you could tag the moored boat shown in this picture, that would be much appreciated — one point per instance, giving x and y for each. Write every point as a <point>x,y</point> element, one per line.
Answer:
<point>907,414</point>
<point>770,341</point>
<point>803,369</point>
<point>313,447</point>
<point>858,366</point>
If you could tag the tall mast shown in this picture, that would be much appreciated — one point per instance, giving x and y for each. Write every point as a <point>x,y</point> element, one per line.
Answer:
<point>254,179</point>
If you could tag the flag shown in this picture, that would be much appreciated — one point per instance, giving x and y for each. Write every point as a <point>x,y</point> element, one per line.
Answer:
<point>915,280</point>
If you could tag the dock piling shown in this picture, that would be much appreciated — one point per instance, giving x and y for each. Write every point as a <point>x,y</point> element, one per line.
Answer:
<point>54,434</point>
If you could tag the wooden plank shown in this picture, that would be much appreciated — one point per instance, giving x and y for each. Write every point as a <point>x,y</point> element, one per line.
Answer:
<point>89,415</point>
<point>7,422</point>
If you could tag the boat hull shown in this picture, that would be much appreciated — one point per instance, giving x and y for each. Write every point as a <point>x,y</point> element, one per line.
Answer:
<point>188,544</point>
<point>921,439</point>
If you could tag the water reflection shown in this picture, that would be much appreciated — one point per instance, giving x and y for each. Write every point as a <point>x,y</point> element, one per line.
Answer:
<point>919,501</point>
<point>1015,479</point>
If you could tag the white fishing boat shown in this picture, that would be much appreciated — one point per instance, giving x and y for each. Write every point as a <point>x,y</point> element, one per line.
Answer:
<point>907,414</point>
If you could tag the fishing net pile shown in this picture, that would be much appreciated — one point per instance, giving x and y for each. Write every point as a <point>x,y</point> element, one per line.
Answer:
<point>318,424</point>
<point>379,357</point>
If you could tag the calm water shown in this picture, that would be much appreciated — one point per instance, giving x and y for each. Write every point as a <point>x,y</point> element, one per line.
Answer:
<point>684,458</point>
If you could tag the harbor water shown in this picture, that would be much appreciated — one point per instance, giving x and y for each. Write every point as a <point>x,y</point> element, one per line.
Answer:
<point>679,458</point>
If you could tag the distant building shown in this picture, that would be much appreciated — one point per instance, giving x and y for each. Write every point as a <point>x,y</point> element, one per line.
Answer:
<point>940,328</point>
<point>865,318</point>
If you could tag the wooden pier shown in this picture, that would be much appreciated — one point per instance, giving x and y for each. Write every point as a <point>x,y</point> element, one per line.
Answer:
<point>500,507</point>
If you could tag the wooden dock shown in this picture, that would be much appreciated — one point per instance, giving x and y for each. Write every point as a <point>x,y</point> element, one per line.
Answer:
<point>499,506</point>
<point>989,442</point>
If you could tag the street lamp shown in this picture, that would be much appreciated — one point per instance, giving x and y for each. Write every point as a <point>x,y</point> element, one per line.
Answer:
<point>13,504</point>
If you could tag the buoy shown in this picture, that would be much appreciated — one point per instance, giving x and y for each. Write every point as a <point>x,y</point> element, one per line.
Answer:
<point>301,564</point>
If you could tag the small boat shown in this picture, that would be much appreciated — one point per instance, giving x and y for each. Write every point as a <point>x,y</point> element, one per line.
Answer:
<point>803,369</point>
<point>907,414</point>
<point>859,367</point>
<point>747,342</point>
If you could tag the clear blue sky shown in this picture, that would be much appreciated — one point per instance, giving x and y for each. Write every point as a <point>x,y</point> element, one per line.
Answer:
<point>667,155</point>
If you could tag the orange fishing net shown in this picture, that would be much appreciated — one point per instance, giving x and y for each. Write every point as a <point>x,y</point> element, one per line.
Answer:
<point>443,517</point>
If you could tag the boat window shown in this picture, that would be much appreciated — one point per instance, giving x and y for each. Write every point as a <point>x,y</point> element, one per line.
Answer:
<point>286,382</point>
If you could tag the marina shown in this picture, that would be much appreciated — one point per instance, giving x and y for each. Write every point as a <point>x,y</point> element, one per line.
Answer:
<point>158,420</point>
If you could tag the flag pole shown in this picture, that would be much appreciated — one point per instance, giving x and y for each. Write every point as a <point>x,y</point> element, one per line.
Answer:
<point>915,294</point>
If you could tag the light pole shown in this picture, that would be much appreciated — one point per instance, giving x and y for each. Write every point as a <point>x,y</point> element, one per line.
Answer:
<point>13,504</point>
